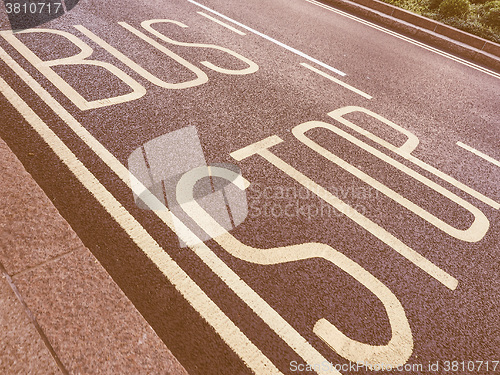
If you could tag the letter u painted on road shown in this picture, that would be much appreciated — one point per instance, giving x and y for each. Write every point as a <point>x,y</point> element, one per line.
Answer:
<point>200,79</point>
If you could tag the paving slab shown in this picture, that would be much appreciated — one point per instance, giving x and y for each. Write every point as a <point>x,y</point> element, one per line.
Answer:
<point>80,308</point>
<point>22,350</point>
<point>31,229</point>
<point>60,311</point>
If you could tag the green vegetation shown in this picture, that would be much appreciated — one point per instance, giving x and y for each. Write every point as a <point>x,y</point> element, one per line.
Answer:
<point>478,17</point>
<point>454,8</point>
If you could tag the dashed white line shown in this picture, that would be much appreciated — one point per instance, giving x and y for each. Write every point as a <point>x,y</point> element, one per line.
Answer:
<point>221,23</point>
<point>291,49</point>
<point>479,153</point>
<point>337,81</point>
<point>405,38</point>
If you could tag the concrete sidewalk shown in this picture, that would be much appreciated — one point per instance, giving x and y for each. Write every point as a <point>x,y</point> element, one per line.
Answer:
<point>60,311</point>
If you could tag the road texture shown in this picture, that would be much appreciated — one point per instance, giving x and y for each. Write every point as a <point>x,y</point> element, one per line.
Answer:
<point>372,234</point>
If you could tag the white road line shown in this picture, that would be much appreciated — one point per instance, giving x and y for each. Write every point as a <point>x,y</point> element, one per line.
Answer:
<point>337,81</point>
<point>221,23</point>
<point>400,346</point>
<point>234,338</point>
<point>196,297</point>
<point>410,40</point>
<point>297,52</point>
<point>480,154</point>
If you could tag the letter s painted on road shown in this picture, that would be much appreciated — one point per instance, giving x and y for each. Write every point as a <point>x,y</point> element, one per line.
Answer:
<point>252,67</point>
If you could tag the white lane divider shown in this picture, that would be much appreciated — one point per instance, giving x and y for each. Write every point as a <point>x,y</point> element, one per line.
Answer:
<point>221,23</point>
<point>407,39</point>
<point>291,49</point>
<point>337,81</point>
<point>479,153</point>
<point>210,312</point>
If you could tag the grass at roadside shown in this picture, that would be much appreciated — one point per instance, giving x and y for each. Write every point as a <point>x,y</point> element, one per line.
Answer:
<point>478,17</point>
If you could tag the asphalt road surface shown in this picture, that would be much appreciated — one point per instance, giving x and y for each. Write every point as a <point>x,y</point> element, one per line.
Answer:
<point>368,237</point>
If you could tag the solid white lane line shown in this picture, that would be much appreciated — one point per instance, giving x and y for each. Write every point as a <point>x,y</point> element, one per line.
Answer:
<point>337,81</point>
<point>235,339</point>
<point>210,312</point>
<point>291,49</point>
<point>221,23</point>
<point>410,40</point>
<point>480,154</point>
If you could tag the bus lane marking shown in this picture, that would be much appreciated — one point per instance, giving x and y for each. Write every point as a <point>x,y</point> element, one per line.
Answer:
<point>399,348</point>
<point>209,311</point>
<point>325,330</point>
<point>238,342</point>
<point>291,49</point>
<point>479,153</point>
<point>221,23</point>
<point>81,58</point>
<point>337,81</point>
<point>262,148</point>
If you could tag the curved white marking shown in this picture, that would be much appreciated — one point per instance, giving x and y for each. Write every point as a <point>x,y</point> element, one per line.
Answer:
<point>252,67</point>
<point>399,348</point>
<point>200,79</point>
<point>474,233</point>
